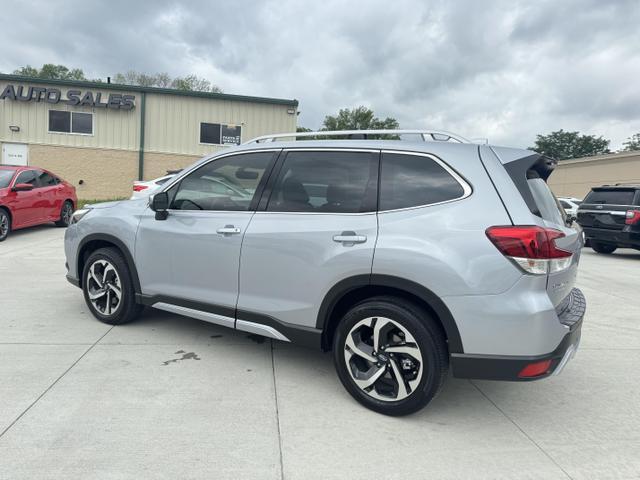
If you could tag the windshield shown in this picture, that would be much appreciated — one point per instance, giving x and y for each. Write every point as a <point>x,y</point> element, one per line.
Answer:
<point>5,177</point>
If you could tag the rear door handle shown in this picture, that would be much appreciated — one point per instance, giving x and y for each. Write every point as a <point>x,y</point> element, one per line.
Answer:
<point>228,230</point>
<point>349,238</point>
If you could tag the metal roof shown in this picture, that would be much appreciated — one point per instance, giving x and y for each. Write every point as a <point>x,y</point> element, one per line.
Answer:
<point>155,90</point>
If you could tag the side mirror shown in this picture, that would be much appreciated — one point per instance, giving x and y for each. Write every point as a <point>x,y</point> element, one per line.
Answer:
<point>160,204</point>
<point>22,187</point>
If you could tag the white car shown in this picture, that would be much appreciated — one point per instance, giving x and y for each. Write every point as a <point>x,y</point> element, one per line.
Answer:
<point>570,205</point>
<point>144,189</point>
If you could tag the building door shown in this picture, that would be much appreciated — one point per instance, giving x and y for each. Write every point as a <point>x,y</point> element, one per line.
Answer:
<point>15,154</point>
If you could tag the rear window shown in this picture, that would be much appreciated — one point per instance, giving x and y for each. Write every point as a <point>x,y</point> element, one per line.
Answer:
<point>610,197</point>
<point>546,202</point>
<point>5,178</point>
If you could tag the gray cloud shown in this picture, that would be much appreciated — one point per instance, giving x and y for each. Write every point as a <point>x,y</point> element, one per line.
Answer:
<point>502,69</point>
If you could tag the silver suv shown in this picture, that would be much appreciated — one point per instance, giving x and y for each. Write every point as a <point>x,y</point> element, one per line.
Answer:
<point>405,258</point>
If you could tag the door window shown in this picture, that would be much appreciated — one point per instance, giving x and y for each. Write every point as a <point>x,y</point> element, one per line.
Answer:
<point>28,176</point>
<point>227,184</point>
<point>331,182</point>
<point>415,180</point>
<point>45,179</point>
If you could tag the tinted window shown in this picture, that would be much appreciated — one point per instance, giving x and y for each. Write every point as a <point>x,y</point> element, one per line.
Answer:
<point>28,176</point>
<point>59,121</point>
<point>610,197</point>
<point>546,202</point>
<point>342,182</point>
<point>46,179</point>
<point>82,123</point>
<point>229,183</point>
<point>564,204</point>
<point>210,133</point>
<point>5,178</point>
<point>414,180</point>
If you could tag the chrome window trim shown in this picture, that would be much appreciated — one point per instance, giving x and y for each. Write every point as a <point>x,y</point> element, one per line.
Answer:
<point>198,314</point>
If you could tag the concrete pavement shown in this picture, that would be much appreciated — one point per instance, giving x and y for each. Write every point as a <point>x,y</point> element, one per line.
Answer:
<point>172,397</point>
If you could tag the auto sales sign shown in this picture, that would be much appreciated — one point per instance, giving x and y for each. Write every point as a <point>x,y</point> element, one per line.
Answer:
<point>114,101</point>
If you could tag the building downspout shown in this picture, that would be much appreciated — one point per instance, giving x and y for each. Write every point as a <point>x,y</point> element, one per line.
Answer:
<point>141,149</point>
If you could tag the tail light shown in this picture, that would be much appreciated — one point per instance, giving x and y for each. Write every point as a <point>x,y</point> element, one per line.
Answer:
<point>139,188</point>
<point>532,248</point>
<point>632,217</point>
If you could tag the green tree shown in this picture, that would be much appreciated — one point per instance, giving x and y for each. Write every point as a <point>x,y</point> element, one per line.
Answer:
<point>632,143</point>
<point>164,80</point>
<point>51,72</point>
<point>562,145</point>
<point>359,118</point>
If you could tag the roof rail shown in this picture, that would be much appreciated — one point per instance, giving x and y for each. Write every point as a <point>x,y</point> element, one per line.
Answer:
<point>435,135</point>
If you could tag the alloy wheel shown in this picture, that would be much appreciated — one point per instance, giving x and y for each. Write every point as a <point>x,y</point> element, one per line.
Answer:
<point>4,225</point>
<point>383,359</point>
<point>67,213</point>
<point>104,288</point>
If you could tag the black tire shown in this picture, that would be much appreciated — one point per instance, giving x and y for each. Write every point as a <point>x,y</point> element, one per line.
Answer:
<point>428,338</point>
<point>126,309</point>
<point>603,247</point>
<point>5,224</point>
<point>66,212</point>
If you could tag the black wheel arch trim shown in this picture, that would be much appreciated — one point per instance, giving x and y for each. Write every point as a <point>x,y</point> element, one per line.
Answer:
<point>104,237</point>
<point>342,288</point>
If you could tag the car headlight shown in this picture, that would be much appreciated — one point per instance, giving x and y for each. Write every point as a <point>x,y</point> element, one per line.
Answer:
<point>79,214</point>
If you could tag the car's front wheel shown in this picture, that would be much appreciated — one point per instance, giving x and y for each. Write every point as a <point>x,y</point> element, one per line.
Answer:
<point>390,355</point>
<point>108,287</point>
<point>5,224</point>
<point>603,247</point>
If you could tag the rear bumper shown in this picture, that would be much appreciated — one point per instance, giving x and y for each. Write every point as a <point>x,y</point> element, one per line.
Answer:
<point>508,367</point>
<point>622,238</point>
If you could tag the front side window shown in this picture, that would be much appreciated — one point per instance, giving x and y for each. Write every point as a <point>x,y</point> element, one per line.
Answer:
<point>70,122</point>
<point>28,176</point>
<point>328,182</point>
<point>227,184</point>
<point>415,180</point>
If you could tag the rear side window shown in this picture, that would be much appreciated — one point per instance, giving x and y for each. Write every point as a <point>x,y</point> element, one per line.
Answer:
<point>610,197</point>
<point>415,180</point>
<point>330,182</point>
<point>46,179</point>
<point>548,206</point>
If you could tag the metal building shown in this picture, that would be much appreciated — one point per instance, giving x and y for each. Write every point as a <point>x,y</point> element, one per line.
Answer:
<point>102,136</point>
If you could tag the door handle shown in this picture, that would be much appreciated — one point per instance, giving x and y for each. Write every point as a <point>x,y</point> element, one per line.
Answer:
<point>349,238</point>
<point>228,230</point>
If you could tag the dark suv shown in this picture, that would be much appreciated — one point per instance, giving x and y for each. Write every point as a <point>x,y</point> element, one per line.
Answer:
<point>610,217</point>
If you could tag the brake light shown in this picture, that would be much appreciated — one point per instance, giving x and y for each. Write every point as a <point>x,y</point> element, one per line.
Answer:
<point>139,188</point>
<point>632,217</point>
<point>535,369</point>
<point>532,248</point>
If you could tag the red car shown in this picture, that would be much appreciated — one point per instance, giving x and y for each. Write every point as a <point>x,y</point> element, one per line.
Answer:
<point>31,196</point>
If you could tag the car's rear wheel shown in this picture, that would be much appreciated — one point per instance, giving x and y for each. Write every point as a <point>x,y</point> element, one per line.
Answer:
<point>5,224</point>
<point>108,287</point>
<point>66,212</point>
<point>390,355</point>
<point>603,247</point>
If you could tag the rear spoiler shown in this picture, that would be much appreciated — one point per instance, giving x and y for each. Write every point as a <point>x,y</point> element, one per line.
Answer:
<point>523,167</point>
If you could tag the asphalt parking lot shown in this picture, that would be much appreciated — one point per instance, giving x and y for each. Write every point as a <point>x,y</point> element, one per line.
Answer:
<point>173,397</point>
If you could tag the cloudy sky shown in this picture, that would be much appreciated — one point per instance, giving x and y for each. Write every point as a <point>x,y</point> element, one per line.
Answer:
<point>505,70</point>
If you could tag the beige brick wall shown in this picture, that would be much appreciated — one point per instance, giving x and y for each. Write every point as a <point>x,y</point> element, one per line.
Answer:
<point>105,173</point>
<point>574,178</point>
<point>157,164</point>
